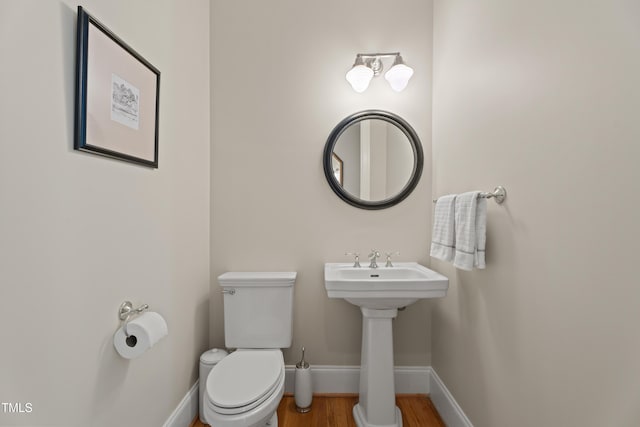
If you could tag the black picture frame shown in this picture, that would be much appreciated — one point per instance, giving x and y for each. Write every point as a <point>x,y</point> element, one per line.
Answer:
<point>117,101</point>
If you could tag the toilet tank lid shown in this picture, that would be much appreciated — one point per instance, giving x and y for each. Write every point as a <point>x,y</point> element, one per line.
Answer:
<point>254,278</point>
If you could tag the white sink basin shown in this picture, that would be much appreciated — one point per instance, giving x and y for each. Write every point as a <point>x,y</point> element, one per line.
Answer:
<point>383,287</point>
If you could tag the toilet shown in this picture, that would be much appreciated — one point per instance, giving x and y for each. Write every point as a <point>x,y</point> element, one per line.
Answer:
<point>244,389</point>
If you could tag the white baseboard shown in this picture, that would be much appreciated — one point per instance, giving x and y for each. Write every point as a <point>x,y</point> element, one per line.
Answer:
<point>186,410</point>
<point>346,379</point>
<point>447,407</point>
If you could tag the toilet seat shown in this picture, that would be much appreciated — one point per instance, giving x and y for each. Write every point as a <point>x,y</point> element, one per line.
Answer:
<point>243,380</point>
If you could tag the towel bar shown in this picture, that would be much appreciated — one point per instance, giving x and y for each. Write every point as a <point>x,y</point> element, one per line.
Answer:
<point>499,194</point>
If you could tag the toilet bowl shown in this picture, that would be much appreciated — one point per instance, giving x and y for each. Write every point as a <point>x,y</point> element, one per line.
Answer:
<point>244,389</point>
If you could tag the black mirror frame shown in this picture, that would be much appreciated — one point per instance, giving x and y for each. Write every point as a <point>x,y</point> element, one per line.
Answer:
<point>418,158</point>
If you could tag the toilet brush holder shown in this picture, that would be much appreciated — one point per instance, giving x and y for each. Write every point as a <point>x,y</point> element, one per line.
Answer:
<point>303,388</point>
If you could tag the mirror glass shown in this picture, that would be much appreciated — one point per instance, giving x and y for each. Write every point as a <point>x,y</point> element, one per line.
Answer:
<point>373,159</point>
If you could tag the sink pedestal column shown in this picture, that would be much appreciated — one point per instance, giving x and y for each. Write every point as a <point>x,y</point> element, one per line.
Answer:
<point>377,405</point>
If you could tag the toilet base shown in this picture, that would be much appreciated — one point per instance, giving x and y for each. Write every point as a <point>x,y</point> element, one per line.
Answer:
<point>273,421</point>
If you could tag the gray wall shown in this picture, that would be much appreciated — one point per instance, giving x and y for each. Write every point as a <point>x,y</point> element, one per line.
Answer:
<point>542,98</point>
<point>79,234</point>
<point>278,89</point>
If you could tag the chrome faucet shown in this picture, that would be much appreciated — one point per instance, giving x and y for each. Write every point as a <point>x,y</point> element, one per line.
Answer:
<point>356,260</point>
<point>373,256</point>
<point>389,254</point>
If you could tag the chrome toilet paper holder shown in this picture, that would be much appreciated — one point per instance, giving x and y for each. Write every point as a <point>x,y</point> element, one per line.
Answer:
<point>126,311</point>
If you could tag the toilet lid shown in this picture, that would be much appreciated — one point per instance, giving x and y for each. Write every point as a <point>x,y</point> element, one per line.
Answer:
<point>244,377</point>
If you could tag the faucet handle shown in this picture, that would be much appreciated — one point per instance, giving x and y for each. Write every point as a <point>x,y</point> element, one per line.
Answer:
<point>389,254</point>
<point>356,261</point>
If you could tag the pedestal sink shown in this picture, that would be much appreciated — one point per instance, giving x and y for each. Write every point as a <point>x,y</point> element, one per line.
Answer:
<point>379,292</point>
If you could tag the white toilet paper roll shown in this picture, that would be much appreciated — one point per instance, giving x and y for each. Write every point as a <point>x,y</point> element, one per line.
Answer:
<point>144,332</point>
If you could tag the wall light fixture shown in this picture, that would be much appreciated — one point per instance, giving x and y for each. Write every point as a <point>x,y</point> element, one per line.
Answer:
<point>369,65</point>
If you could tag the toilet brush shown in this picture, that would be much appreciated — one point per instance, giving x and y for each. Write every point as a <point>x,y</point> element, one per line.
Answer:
<point>303,391</point>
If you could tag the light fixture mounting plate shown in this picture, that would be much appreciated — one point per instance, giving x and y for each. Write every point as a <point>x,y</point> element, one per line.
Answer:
<point>375,64</point>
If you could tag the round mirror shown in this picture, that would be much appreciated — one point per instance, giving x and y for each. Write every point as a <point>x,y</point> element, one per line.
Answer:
<point>373,159</point>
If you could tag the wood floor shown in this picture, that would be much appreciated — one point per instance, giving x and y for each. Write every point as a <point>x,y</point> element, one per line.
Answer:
<point>335,411</point>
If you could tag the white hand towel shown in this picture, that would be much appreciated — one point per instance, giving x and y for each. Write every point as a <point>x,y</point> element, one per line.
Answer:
<point>465,225</point>
<point>443,237</point>
<point>481,232</point>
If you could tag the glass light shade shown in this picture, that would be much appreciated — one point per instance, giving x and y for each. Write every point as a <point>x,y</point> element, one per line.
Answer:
<point>398,76</point>
<point>359,77</point>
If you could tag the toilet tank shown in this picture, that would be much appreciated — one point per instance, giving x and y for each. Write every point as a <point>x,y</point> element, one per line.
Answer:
<point>258,309</point>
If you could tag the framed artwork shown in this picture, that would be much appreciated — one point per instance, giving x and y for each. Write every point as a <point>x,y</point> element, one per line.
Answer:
<point>117,96</point>
<point>336,163</point>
